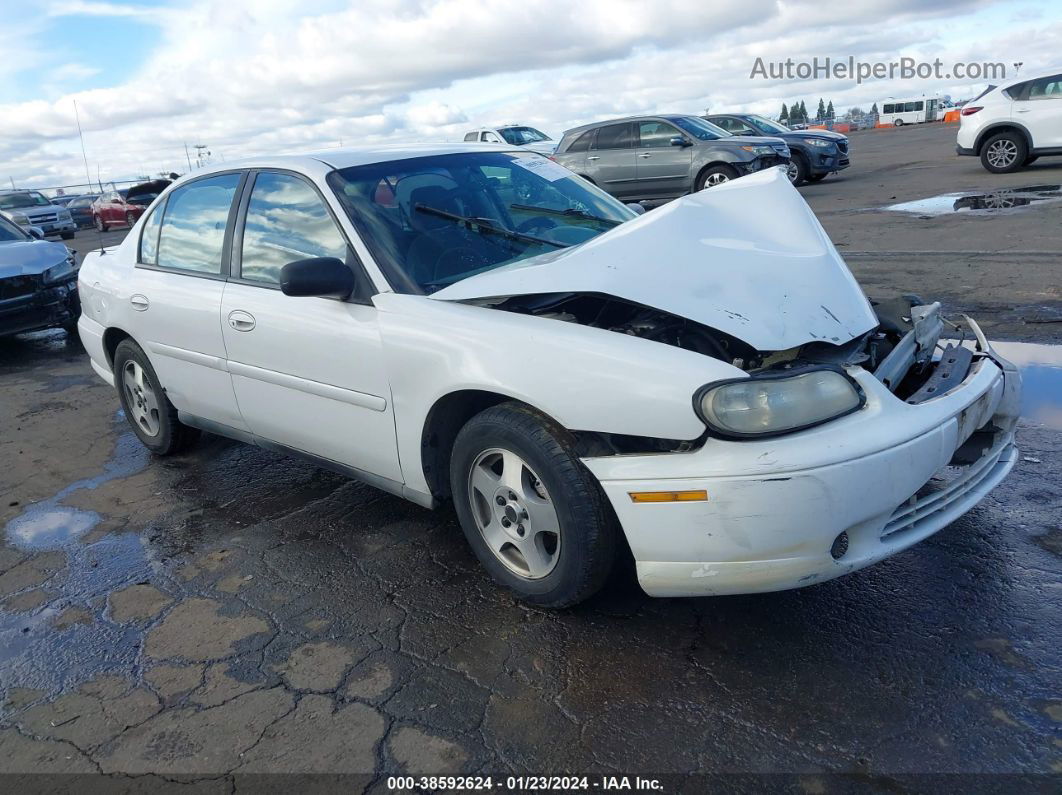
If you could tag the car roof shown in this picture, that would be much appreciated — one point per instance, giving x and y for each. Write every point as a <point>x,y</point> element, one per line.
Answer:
<point>312,162</point>
<point>1027,78</point>
<point>605,122</point>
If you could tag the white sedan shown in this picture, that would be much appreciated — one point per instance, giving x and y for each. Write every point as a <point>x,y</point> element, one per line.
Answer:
<point>704,384</point>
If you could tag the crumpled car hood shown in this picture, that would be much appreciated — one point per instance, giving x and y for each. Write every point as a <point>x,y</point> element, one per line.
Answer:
<point>30,257</point>
<point>747,258</point>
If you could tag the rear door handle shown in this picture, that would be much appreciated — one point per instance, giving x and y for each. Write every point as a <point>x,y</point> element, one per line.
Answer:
<point>593,157</point>
<point>240,320</point>
<point>646,154</point>
<point>139,302</point>
<point>1026,110</point>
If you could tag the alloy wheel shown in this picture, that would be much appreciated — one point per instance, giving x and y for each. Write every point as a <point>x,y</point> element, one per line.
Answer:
<point>714,179</point>
<point>1002,153</point>
<point>141,400</point>
<point>514,513</point>
<point>792,171</point>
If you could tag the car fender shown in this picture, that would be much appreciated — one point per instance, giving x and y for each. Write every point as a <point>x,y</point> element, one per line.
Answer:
<point>585,378</point>
<point>997,126</point>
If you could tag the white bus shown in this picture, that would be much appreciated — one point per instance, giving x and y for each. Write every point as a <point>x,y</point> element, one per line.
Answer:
<point>909,111</point>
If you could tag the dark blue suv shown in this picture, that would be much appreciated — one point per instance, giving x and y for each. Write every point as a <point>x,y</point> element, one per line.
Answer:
<point>814,153</point>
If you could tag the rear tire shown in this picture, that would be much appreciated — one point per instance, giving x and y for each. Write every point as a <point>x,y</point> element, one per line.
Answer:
<point>715,175</point>
<point>1004,152</point>
<point>531,511</point>
<point>147,409</point>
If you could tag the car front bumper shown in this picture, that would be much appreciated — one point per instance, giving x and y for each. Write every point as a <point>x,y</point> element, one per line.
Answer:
<point>776,507</point>
<point>828,162</point>
<point>47,307</point>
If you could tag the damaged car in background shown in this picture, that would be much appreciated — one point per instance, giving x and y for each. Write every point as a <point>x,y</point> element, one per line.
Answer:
<point>38,282</point>
<point>478,326</point>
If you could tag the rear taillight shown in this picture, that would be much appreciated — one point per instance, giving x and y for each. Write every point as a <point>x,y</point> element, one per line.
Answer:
<point>971,111</point>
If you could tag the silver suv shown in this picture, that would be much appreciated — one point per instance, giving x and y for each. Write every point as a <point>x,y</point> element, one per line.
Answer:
<point>32,208</point>
<point>663,157</point>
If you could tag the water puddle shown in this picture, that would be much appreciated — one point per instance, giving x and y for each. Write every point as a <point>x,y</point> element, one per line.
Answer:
<point>980,203</point>
<point>49,523</point>
<point>1041,374</point>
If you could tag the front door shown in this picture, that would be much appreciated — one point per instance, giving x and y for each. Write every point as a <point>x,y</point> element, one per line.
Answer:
<point>663,168</point>
<point>175,297</point>
<point>308,373</point>
<point>610,162</point>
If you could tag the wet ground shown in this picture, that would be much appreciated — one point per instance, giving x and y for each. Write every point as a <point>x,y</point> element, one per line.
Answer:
<point>228,612</point>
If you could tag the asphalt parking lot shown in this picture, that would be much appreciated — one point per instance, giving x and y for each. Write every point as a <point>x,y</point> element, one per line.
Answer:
<point>230,612</point>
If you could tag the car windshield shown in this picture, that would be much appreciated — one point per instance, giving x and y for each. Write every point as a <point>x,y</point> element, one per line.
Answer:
<point>518,136</point>
<point>699,128</point>
<point>30,198</point>
<point>433,221</point>
<point>765,125</point>
<point>9,233</point>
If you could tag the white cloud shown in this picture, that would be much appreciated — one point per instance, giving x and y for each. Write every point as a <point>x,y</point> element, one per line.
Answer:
<point>274,75</point>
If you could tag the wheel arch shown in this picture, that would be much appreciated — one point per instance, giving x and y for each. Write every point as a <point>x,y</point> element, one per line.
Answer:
<point>444,421</point>
<point>1003,126</point>
<point>112,338</point>
<point>712,164</point>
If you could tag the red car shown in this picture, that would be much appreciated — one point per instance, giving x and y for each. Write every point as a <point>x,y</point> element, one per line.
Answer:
<point>123,207</point>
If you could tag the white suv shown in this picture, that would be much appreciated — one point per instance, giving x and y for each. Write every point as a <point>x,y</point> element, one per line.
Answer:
<point>1011,126</point>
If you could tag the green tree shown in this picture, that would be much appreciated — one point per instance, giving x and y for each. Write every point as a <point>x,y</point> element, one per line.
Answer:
<point>874,108</point>
<point>820,114</point>
<point>803,111</point>
<point>829,110</point>
<point>784,117</point>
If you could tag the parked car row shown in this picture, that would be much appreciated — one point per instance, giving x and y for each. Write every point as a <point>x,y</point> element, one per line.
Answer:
<point>32,208</point>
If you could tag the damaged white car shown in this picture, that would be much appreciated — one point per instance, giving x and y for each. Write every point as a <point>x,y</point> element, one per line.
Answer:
<point>705,385</point>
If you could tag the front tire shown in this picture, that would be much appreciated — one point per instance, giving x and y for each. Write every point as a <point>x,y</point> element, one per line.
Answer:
<point>715,175</point>
<point>818,177</point>
<point>898,123</point>
<point>1004,153</point>
<point>147,409</point>
<point>533,514</point>
<point>130,219</point>
<point>67,235</point>
<point>797,169</point>
<point>98,221</point>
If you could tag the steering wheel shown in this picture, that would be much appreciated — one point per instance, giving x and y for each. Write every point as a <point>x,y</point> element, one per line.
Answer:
<point>537,222</point>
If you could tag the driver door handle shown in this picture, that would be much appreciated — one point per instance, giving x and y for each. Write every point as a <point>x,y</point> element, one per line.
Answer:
<point>240,320</point>
<point>139,302</point>
<point>646,154</point>
<point>593,157</point>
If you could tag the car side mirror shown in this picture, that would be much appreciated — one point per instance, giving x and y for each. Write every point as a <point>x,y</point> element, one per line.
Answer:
<point>636,207</point>
<point>36,231</point>
<point>678,140</point>
<point>324,277</point>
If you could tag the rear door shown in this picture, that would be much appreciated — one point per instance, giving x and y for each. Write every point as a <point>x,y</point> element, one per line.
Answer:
<point>663,169</point>
<point>176,296</point>
<point>308,372</point>
<point>611,162</point>
<point>1039,108</point>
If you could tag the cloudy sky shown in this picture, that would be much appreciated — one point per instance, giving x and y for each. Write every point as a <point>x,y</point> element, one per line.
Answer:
<point>252,76</point>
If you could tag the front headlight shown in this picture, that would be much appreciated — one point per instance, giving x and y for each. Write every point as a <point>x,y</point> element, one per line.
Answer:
<point>759,150</point>
<point>65,216</point>
<point>19,218</point>
<point>779,402</point>
<point>59,272</point>
<point>819,142</point>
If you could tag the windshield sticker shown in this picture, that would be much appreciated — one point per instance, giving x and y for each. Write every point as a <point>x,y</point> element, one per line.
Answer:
<point>544,167</point>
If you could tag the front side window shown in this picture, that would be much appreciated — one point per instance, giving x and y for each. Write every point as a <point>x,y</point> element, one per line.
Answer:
<point>286,221</point>
<point>655,134</point>
<point>149,238</point>
<point>491,138</point>
<point>10,233</point>
<point>192,236</point>
<point>887,108</point>
<point>766,126</point>
<point>613,136</point>
<point>447,217</point>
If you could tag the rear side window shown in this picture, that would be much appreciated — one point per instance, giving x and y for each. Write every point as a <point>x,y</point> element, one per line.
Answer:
<point>1045,88</point>
<point>192,236</point>
<point>471,136</point>
<point>582,143</point>
<point>613,136</point>
<point>149,238</point>
<point>286,221</point>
